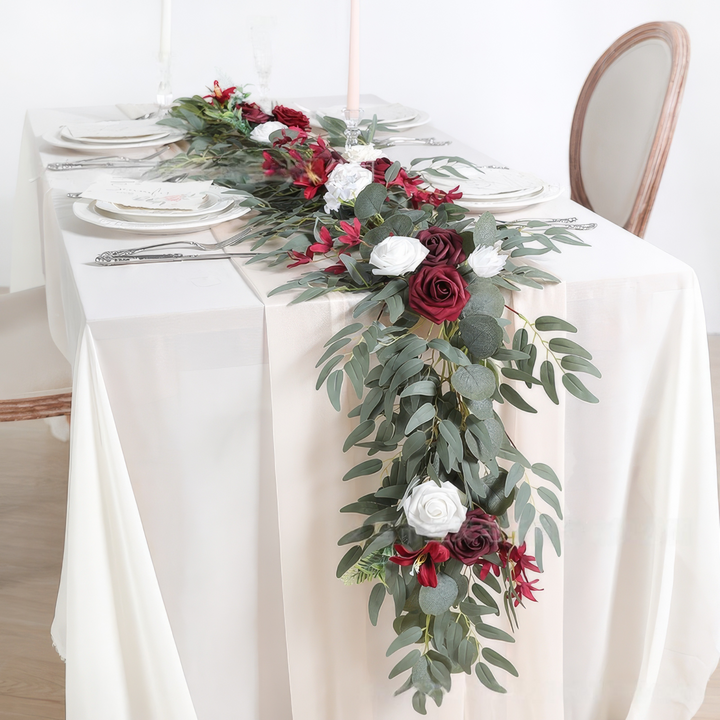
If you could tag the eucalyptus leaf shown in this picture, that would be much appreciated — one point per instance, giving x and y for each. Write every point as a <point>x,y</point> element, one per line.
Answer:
<point>546,473</point>
<point>467,654</point>
<point>327,370</point>
<point>547,378</point>
<point>418,703</point>
<point>552,531</point>
<point>348,560</point>
<point>495,658</point>
<point>474,382</point>
<point>360,432</point>
<point>484,231</point>
<point>561,346</point>
<point>485,299</point>
<point>405,664</point>
<point>405,638</point>
<point>487,678</point>
<point>423,387</point>
<point>437,600</point>
<point>575,387</point>
<point>334,386</point>
<point>423,414</point>
<point>521,498</point>
<point>481,334</point>
<point>539,548</point>
<point>528,515</point>
<point>514,398</point>
<point>361,533</point>
<point>369,201</point>
<point>548,322</point>
<point>551,499</point>
<point>450,353</point>
<point>514,476</point>
<point>375,602</point>
<point>579,364</point>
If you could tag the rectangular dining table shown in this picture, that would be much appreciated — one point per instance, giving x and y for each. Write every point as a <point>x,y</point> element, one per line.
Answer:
<point>198,579</point>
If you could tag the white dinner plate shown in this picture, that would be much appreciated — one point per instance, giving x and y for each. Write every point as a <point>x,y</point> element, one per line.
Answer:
<point>549,192</point>
<point>86,210</point>
<point>215,202</point>
<point>488,183</point>
<point>65,135</point>
<point>386,114</point>
<point>55,138</point>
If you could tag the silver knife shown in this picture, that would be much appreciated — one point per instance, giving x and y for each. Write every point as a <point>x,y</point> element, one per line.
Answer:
<point>88,165</point>
<point>106,261</point>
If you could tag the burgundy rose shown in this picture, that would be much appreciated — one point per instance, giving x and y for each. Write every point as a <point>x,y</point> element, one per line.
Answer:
<point>438,292</point>
<point>290,117</point>
<point>445,246</point>
<point>479,535</point>
<point>253,113</point>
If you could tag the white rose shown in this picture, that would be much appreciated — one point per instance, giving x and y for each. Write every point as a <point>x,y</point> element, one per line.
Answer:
<point>363,153</point>
<point>434,511</point>
<point>344,184</point>
<point>397,255</point>
<point>261,133</point>
<point>487,261</point>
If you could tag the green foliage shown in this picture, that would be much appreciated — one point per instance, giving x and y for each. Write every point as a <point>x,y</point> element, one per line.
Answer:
<point>425,396</point>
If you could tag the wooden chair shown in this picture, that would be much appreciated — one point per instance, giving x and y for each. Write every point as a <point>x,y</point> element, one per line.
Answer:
<point>624,123</point>
<point>35,377</point>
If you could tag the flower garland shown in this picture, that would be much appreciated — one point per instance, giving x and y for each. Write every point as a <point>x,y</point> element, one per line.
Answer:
<point>445,535</point>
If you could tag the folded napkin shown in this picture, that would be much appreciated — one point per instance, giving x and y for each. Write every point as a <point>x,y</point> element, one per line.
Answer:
<point>149,194</point>
<point>136,110</point>
<point>108,129</point>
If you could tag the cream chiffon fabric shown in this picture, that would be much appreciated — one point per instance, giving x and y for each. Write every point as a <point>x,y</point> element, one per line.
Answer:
<point>199,575</point>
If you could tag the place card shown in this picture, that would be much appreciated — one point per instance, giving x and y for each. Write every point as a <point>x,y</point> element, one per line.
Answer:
<point>153,195</point>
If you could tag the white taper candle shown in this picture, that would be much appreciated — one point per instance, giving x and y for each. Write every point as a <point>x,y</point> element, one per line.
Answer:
<point>353,93</point>
<point>165,31</point>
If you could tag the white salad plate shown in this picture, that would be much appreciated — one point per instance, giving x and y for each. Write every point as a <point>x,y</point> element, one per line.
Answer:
<point>549,192</point>
<point>55,138</point>
<point>485,183</point>
<point>215,202</point>
<point>386,114</point>
<point>87,211</point>
<point>422,118</point>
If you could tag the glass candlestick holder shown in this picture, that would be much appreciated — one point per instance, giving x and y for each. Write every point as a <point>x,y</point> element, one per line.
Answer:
<point>352,126</point>
<point>164,92</point>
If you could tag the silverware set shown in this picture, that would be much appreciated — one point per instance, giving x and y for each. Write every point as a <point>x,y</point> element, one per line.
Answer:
<point>109,161</point>
<point>391,142</point>
<point>135,256</point>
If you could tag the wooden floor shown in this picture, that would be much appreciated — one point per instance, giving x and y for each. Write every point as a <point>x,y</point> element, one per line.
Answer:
<point>33,490</point>
<point>33,486</point>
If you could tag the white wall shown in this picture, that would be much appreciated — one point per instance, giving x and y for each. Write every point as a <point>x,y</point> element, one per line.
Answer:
<point>503,76</point>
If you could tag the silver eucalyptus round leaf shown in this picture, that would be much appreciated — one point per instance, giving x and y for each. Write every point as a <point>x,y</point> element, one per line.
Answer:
<point>474,382</point>
<point>437,600</point>
<point>481,334</point>
<point>485,299</point>
<point>481,409</point>
<point>496,432</point>
<point>421,679</point>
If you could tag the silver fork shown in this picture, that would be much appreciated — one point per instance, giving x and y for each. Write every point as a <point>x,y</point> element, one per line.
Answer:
<point>238,237</point>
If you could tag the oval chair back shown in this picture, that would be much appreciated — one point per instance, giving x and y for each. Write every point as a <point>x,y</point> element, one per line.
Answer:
<point>624,123</point>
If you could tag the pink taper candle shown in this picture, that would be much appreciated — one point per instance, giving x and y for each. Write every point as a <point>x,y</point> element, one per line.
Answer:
<point>353,93</point>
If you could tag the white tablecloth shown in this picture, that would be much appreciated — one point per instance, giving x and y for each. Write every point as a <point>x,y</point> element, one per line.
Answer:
<point>199,578</point>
